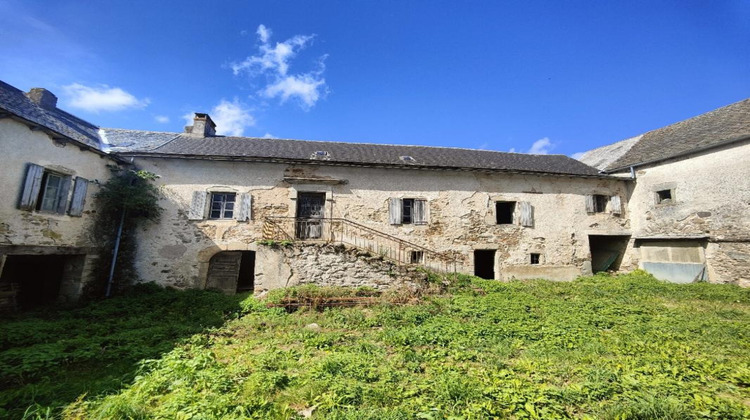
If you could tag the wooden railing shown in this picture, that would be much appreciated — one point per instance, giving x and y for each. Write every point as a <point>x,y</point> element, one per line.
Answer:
<point>339,230</point>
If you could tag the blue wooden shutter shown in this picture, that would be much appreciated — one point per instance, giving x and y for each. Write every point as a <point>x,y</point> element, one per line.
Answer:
<point>31,186</point>
<point>79,197</point>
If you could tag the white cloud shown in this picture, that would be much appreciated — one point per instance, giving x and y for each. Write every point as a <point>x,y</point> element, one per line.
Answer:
<point>303,87</point>
<point>263,33</point>
<point>512,150</point>
<point>269,136</point>
<point>163,119</point>
<point>231,118</point>
<point>273,62</point>
<point>102,98</point>
<point>541,147</point>
<point>578,156</point>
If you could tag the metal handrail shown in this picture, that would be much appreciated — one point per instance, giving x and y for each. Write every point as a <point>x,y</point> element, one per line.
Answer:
<point>340,230</point>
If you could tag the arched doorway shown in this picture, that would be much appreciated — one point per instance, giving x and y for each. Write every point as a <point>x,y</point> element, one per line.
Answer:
<point>232,271</point>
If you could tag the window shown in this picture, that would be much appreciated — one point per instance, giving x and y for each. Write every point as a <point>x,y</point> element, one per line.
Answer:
<point>535,258</point>
<point>407,210</point>
<point>664,197</point>
<point>504,212</point>
<point>222,205</point>
<point>47,191</point>
<point>596,203</point>
<point>49,195</point>
<point>416,257</point>
<point>404,211</point>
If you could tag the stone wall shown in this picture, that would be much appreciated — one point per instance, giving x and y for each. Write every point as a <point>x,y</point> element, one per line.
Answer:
<point>330,265</point>
<point>460,213</point>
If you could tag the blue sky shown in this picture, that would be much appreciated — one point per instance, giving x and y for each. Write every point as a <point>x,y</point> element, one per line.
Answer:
<point>526,76</point>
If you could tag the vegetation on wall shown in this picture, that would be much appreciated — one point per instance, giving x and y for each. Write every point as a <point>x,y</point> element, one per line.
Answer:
<point>625,347</point>
<point>131,198</point>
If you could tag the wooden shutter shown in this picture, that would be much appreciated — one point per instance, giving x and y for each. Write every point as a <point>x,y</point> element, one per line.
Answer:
<point>62,195</point>
<point>527,214</point>
<point>198,206</point>
<point>245,211</point>
<point>395,211</point>
<point>31,186</point>
<point>420,212</point>
<point>79,197</point>
<point>590,205</point>
<point>615,204</point>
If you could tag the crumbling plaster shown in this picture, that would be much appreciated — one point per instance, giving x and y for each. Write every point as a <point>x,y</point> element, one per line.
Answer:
<point>21,145</point>
<point>461,212</point>
<point>711,200</point>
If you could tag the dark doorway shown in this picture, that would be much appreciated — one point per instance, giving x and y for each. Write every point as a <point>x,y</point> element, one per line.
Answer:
<point>36,278</point>
<point>246,278</point>
<point>484,263</point>
<point>232,271</point>
<point>310,211</point>
<point>607,251</point>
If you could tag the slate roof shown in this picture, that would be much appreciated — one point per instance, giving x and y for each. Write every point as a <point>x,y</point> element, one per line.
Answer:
<point>15,102</point>
<point>601,157</point>
<point>299,151</point>
<point>120,140</point>
<point>723,125</point>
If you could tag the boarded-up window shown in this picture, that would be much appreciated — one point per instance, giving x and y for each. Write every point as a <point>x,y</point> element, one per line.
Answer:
<point>79,196</point>
<point>198,206</point>
<point>527,214</point>
<point>244,212</point>
<point>615,204</point>
<point>407,211</point>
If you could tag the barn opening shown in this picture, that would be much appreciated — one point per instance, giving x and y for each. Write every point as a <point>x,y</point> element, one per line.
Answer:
<point>484,263</point>
<point>31,281</point>
<point>607,251</point>
<point>232,271</point>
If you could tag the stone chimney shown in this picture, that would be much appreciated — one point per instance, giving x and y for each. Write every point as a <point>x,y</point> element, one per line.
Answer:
<point>43,98</point>
<point>202,126</point>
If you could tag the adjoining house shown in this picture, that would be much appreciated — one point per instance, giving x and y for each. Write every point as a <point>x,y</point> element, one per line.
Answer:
<point>673,200</point>
<point>51,164</point>
<point>689,209</point>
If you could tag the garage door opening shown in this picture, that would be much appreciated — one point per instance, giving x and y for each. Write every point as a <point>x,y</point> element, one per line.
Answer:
<point>607,251</point>
<point>232,271</point>
<point>34,280</point>
<point>484,263</point>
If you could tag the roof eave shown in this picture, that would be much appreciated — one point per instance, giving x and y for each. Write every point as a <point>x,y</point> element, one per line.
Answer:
<point>678,155</point>
<point>57,136</point>
<point>360,164</point>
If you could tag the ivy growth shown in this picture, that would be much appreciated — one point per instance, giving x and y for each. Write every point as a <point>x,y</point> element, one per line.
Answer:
<point>132,193</point>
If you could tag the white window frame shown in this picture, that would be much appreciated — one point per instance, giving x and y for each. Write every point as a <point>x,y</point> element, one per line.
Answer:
<point>221,198</point>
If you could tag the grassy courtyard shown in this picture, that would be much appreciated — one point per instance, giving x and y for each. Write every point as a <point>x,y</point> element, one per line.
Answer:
<point>626,347</point>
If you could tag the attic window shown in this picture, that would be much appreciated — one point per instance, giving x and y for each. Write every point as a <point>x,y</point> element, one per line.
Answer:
<point>408,159</point>
<point>664,197</point>
<point>320,154</point>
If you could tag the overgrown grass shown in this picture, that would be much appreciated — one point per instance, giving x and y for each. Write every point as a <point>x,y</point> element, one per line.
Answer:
<point>626,347</point>
<point>50,357</point>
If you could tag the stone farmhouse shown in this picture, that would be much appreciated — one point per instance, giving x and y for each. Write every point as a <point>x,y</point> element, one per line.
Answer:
<point>257,214</point>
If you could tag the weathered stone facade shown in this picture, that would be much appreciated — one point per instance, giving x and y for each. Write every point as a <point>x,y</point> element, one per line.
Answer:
<point>709,210</point>
<point>48,243</point>
<point>461,215</point>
